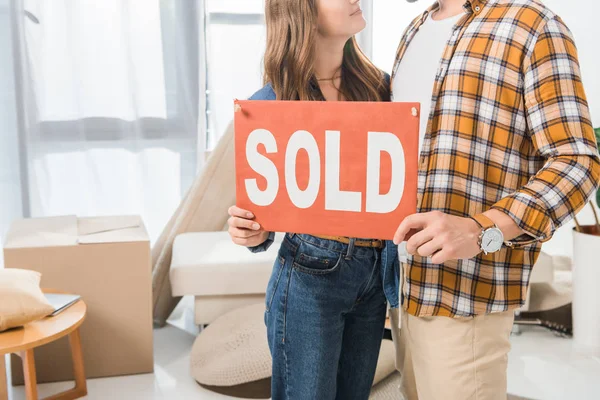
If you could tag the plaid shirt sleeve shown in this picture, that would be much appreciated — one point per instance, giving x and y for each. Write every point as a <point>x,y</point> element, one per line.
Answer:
<point>561,132</point>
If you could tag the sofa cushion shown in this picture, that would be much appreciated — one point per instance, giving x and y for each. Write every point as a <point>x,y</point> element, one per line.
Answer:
<point>209,263</point>
<point>209,308</point>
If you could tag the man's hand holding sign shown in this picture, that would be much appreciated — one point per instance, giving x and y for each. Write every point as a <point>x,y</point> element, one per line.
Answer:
<point>346,168</point>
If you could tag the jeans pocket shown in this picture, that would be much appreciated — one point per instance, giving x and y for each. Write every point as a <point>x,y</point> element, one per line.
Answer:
<point>313,260</point>
<point>274,281</point>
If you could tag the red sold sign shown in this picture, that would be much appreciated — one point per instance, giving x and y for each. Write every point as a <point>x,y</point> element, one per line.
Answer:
<point>327,168</point>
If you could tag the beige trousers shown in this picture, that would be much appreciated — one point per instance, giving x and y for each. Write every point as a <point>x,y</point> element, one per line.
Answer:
<point>443,358</point>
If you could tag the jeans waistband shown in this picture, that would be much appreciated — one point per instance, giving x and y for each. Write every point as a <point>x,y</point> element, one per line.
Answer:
<point>348,249</point>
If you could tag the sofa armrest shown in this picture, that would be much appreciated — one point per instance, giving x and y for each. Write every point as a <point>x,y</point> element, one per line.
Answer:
<point>210,264</point>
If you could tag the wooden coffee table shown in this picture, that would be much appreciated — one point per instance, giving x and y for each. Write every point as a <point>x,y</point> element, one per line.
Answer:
<point>23,341</point>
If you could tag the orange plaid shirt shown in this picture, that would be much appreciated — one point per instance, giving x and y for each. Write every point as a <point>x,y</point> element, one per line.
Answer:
<point>509,129</point>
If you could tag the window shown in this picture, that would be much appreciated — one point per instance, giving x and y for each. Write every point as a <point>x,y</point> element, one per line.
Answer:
<point>132,81</point>
<point>108,100</point>
<point>235,45</point>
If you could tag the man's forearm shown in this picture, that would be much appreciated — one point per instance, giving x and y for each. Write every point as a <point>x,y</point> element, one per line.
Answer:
<point>506,224</point>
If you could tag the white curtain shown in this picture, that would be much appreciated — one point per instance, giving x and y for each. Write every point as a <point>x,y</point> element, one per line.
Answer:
<point>109,99</point>
<point>10,180</point>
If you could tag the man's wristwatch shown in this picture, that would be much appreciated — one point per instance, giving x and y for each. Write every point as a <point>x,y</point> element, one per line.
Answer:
<point>491,237</point>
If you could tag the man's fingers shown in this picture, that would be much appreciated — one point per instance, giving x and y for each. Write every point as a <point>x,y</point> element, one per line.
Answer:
<point>235,211</point>
<point>243,223</point>
<point>417,240</point>
<point>441,257</point>
<point>414,221</point>
<point>411,233</point>
<point>431,247</point>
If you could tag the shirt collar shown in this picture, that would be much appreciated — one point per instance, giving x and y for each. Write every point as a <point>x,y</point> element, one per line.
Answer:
<point>470,7</point>
<point>474,6</point>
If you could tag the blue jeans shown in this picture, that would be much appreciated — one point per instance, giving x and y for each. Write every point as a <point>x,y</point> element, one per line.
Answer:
<point>325,316</point>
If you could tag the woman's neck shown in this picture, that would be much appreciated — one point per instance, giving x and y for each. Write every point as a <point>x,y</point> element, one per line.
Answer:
<point>328,57</point>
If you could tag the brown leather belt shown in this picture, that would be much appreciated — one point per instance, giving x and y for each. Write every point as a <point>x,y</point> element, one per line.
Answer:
<point>376,243</point>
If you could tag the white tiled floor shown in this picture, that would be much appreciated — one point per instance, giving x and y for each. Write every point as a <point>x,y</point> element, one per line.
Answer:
<point>171,379</point>
<point>541,367</point>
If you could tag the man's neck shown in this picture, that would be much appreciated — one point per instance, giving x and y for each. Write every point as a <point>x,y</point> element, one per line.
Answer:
<point>448,9</point>
<point>328,58</point>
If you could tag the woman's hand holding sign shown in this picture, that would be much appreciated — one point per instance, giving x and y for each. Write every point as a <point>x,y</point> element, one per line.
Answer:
<point>441,236</point>
<point>243,230</point>
<point>318,168</point>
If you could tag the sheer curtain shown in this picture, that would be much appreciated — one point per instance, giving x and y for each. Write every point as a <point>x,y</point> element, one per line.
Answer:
<point>10,180</point>
<point>108,93</point>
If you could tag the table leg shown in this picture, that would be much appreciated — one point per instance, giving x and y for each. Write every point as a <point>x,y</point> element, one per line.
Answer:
<point>29,374</point>
<point>78,365</point>
<point>80,388</point>
<point>3,384</point>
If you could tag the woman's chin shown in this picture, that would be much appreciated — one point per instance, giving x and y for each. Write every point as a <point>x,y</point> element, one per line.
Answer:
<point>360,26</point>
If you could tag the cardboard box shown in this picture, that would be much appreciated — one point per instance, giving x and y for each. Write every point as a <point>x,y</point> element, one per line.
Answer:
<point>107,261</point>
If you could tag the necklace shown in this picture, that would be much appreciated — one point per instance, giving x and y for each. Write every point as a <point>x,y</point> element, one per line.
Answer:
<point>329,79</point>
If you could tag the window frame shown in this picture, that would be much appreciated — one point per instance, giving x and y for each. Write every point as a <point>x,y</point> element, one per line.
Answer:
<point>222,18</point>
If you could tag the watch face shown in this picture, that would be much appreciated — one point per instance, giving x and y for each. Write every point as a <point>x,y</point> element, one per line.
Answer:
<point>492,240</point>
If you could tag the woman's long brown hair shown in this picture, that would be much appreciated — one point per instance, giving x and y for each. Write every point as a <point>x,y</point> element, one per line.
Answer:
<point>291,39</point>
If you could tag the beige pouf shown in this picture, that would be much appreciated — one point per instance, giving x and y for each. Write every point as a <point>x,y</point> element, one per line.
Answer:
<point>388,389</point>
<point>386,364</point>
<point>233,351</point>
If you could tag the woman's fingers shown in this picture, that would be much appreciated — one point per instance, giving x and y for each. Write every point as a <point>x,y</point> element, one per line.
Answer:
<point>251,241</point>
<point>235,211</point>
<point>242,229</point>
<point>243,223</point>
<point>242,233</point>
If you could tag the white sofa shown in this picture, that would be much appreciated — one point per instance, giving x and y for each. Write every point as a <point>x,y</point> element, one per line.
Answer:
<point>221,275</point>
